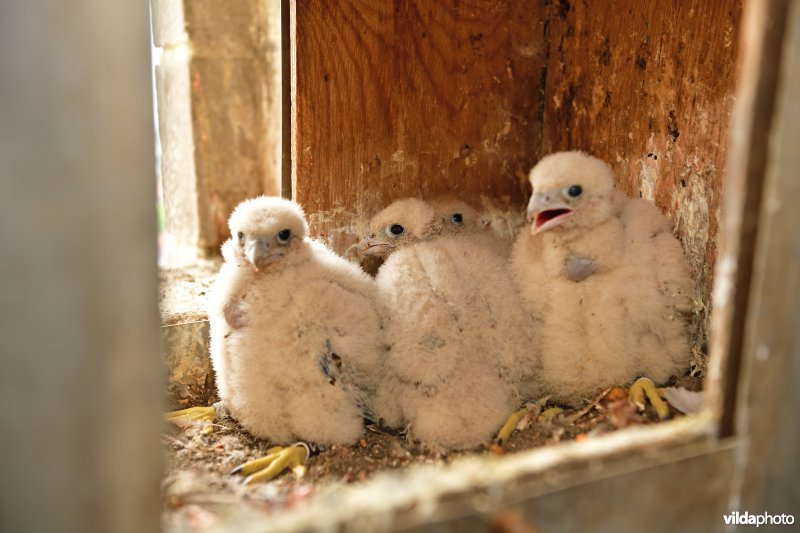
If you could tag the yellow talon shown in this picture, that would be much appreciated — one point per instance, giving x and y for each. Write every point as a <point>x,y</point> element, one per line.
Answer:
<point>187,417</point>
<point>645,387</point>
<point>276,461</point>
<point>549,414</point>
<point>257,464</point>
<point>508,428</point>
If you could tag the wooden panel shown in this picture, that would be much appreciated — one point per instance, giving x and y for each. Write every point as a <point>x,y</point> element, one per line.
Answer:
<point>625,501</point>
<point>771,351</point>
<point>78,336</point>
<point>287,104</point>
<point>762,44</point>
<point>671,477</point>
<point>648,86</point>
<point>412,97</point>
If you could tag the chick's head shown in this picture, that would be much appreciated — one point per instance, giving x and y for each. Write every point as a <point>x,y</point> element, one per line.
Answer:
<point>457,217</point>
<point>571,190</point>
<point>403,222</point>
<point>266,229</point>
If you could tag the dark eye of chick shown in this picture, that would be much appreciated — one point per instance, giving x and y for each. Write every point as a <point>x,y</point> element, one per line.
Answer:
<point>575,191</point>
<point>458,219</point>
<point>396,229</point>
<point>284,235</point>
<point>240,236</point>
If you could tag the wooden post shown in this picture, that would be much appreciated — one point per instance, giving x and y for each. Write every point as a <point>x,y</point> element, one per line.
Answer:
<point>219,107</point>
<point>769,399</point>
<point>80,387</point>
<point>762,33</point>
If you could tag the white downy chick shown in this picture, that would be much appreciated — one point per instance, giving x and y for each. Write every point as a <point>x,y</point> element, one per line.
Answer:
<point>387,233</point>
<point>604,276</point>
<point>459,218</point>
<point>296,341</point>
<point>461,355</point>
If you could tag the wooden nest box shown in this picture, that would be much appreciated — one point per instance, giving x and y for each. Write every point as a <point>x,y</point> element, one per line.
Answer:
<point>384,100</point>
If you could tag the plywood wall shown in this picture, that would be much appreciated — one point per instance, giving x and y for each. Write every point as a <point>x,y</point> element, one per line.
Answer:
<point>463,97</point>
<point>400,98</point>
<point>649,86</point>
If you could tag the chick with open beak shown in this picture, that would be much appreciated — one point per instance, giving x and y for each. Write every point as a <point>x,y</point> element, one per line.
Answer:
<point>570,196</point>
<point>606,279</point>
<point>549,209</point>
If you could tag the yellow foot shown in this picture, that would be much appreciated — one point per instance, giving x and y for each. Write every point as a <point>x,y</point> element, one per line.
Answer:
<point>645,387</point>
<point>188,417</point>
<point>549,414</point>
<point>276,461</point>
<point>508,428</point>
<point>531,410</point>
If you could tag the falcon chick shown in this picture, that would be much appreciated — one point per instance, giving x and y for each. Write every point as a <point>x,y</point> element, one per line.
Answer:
<point>604,276</point>
<point>459,218</point>
<point>460,356</point>
<point>296,342</point>
<point>402,222</point>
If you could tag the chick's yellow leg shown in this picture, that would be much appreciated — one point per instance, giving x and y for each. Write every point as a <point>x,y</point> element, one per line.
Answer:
<point>276,461</point>
<point>508,428</point>
<point>530,409</point>
<point>549,414</point>
<point>644,387</point>
<point>187,417</point>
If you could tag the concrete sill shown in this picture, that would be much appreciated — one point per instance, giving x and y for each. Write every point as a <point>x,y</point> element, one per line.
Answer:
<point>184,332</point>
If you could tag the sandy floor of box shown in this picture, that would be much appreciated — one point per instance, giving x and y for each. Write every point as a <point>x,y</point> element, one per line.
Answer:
<point>197,487</point>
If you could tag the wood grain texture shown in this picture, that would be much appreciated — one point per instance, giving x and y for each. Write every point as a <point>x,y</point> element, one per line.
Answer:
<point>755,115</point>
<point>623,501</point>
<point>649,87</point>
<point>414,98</point>
<point>771,351</point>
<point>401,98</point>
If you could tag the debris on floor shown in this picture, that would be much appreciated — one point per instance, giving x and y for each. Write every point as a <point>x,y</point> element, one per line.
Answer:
<point>198,489</point>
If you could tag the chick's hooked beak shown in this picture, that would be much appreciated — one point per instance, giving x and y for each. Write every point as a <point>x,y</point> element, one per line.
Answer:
<point>372,245</point>
<point>547,210</point>
<point>260,251</point>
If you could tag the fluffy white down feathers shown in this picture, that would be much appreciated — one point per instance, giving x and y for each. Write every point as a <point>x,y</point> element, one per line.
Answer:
<point>604,277</point>
<point>460,354</point>
<point>595,293</point>
<point>296,342</point>
<point>459,218</point>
